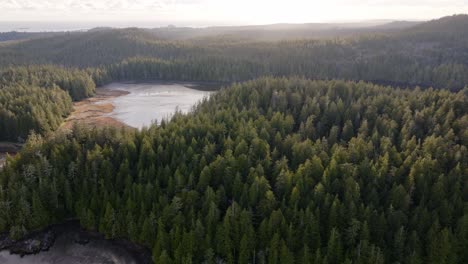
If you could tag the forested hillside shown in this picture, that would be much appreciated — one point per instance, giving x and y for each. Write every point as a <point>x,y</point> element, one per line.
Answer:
<point>38,98</point>
<point>428,54</point>
<point>29,108</point>
<point>16,36</point>
<point>77,83</point>
<point>284,31</point>
<point>307,164</point>
<point>269,171</point>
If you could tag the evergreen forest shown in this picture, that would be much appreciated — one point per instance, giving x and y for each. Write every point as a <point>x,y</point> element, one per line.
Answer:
<point>344,149</point>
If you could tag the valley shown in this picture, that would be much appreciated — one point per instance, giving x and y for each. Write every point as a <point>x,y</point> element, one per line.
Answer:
<point>309,143</point>
<point>137,105</point>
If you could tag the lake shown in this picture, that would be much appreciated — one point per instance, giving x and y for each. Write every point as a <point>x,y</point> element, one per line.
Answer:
<point>146,103</point>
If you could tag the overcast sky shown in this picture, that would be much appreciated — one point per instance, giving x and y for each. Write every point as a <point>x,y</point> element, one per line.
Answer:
<point>212,12</point>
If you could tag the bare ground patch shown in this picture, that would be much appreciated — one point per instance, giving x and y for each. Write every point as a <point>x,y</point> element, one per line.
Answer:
<point>95,111</point>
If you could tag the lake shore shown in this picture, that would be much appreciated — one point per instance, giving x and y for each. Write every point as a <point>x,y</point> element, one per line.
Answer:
<point>150,103</point>
<point>95,111</point>
<point>207,86</point>
<point>137,105</point>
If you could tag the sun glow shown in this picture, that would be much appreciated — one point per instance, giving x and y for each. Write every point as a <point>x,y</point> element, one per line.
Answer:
<point>221,12</point>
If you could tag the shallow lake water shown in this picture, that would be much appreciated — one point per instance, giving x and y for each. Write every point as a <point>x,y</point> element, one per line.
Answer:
<point>146,103</point>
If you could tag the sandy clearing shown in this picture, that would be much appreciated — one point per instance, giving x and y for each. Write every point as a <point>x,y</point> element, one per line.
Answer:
<point>95,111</point>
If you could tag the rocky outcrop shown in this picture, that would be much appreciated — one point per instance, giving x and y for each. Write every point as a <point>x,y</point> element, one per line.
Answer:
<point>29,245</point>
<point>43,240</point>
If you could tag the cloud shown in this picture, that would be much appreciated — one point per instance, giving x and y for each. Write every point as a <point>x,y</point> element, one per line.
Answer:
<point>122,5</point>
<point>93,4</point>
<point>239,11</point>
<point>421,3</point>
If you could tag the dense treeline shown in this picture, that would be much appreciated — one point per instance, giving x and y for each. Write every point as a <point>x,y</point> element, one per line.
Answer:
<point>29,108</point>
<point>38,98</point>
<point>450,76</point>
<point>79,84</point>
<point>148,69</point>
<point>429,54</point>
<point>269,171</point>
<point>16,36</point>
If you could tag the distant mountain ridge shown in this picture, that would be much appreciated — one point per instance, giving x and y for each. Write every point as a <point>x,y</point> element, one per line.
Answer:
<point>275,32</point>
<point>433,53</point>
<point>456,24</point>
<point>451,26</point>
<point>263,32</point>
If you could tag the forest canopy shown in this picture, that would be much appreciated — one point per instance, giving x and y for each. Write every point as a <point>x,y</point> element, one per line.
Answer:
<point>38,98</point>
<point>273,171</point>
<point>350,149</point>
<point>426,54</point>
<point>77,83</point>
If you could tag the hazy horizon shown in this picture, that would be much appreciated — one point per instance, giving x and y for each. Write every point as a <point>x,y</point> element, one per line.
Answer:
<point>203,13</point>
<point>38,26</point>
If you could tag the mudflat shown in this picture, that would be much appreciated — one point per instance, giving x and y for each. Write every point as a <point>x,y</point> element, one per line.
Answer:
<point>95,111</point>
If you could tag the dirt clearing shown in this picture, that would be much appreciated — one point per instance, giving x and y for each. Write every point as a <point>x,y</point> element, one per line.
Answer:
<point>95,111</point>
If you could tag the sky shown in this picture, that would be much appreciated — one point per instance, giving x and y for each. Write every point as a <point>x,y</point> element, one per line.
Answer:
<point>225,12</point>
